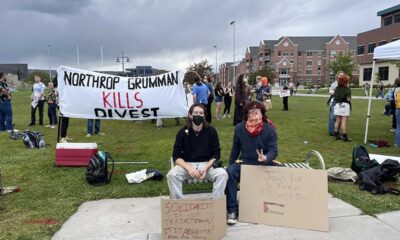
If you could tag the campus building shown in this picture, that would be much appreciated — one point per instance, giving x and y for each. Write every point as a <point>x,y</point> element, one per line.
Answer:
<point>20,70</point>
<point>367,41</point>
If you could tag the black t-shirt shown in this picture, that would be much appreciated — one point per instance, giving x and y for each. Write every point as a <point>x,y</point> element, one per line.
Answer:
<point>3,97</point>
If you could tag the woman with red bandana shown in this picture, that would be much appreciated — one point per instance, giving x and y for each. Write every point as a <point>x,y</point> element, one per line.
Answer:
<point>255,142</point>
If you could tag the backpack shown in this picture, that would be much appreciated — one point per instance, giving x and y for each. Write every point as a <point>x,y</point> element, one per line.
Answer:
<point>372,179</point>
<point>96,171</point>
<point>342,174</point>
<point>33,139</point>
<point>361,160</point>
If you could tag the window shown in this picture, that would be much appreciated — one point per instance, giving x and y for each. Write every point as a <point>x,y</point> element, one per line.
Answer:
<point>291,61</point>
<point>384,73</point>
<point>279,53</point>
<point>283,71</point>
<point>309,54</point>
<point>333,53</point>
<point>299,54</point>
<point>382,43</point>
<point>371,47</point>
<point>308,71</point>
<point>319,62</point>
<point>360,50</point>
<point>387,21</point>
<point>309,63</point>
<point>285,54</point>
<point>367,74</point>
<point>291,54</point>
<point>397,18</point>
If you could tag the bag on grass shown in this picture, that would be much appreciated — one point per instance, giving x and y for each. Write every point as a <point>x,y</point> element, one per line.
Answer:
<point>361,160</point>
<point>342,174</point>
<point>373,179</point>
<point>96,172</point>
<point>33,139</point>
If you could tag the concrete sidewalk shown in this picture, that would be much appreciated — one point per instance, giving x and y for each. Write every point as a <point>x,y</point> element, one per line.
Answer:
<point>140,218</point>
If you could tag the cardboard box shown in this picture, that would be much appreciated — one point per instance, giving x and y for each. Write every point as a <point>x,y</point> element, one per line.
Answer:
<point>193,219</point>
<point>74,154</point>
<point>287,197</point>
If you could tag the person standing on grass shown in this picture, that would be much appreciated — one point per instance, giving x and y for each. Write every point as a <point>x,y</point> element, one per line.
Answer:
<point>255,142</point>
<point>52,101</point>
<point>195,150</point>
<point>200,92</point>
<point>38,100</point>
<point>380,90</point>
<point>219,94</point>
<point>228,91</point>
<point>397,105</point>
<point>208,80</point>
<point>240,100</point>
<point>6,114</point>
<point>342,107</point>
<point>332,103</point>
<point>96,123</point>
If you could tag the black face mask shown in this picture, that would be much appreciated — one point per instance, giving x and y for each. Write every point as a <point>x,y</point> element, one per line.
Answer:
<point>197,119</point>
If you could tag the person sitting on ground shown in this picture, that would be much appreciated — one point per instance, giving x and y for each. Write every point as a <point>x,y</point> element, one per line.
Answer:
<point>254,142</point>
<point>342,107</point>
<point>195,150</point>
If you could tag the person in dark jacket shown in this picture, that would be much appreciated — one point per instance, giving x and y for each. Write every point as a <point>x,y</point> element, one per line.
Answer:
<point>254,142</point>
<point>240,100</point>
<point>342,108</point>
<point>195,150</point>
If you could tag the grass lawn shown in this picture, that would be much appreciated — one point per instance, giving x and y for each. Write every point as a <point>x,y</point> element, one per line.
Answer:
<point>50,193</point>
<point>354,91</point>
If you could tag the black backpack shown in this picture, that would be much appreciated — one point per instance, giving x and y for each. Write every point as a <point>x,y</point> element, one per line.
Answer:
<point>361,160</point>
<point>373,179</point>
<point>96,172</point>
<point>33,139</point>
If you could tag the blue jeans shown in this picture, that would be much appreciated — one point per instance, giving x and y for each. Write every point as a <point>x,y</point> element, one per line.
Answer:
<point>6,116</point>
<point>331,124</point>
<point>231,187</point>
<point>398,127</point>
<point>52,113</point>
<point>90,126</point>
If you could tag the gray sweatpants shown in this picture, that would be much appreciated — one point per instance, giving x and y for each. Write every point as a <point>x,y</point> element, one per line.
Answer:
<point>177,175</point>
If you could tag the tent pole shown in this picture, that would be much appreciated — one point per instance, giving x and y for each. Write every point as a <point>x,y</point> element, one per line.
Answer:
<point>369,101</point>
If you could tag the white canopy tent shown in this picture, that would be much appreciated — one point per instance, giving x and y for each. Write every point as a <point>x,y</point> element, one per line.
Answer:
<point>390,51</point>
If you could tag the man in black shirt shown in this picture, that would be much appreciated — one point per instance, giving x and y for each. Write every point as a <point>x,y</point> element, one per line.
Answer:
<point>5,105</point>
<point>196,148</point>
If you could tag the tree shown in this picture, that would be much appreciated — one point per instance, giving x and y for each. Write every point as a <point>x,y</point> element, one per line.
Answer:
<point>264,72</point>
<point>42,74</point>
<point>202,68</point>
<point>343,62</point>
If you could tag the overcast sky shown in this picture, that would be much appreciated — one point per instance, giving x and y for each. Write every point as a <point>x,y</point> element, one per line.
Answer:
<point>166,34</point>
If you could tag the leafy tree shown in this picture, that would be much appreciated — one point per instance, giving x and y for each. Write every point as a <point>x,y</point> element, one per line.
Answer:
<point>343,62</point>
<point>42,74</point>
<point>202,68</point>
<point>265,72</point>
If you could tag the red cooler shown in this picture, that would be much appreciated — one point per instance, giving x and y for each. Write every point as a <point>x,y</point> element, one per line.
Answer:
<point>74,154</point>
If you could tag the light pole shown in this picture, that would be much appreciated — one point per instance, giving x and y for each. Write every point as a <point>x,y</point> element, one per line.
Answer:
<point>48,58</point>
<point>123,60</point>
<point>216,61</point>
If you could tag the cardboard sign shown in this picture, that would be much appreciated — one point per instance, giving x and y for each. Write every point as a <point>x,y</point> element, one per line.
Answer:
<point>284,93</point>
<point>288,197</point>
<point>193,219</point>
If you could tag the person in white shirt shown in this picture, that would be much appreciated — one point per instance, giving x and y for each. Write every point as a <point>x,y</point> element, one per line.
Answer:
<point>38,100</point>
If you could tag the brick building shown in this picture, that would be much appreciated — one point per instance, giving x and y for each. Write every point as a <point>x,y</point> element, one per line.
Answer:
<point>367,41</point>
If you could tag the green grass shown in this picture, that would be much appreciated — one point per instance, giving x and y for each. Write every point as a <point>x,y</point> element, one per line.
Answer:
<point>354,91</point>
<point>56,193</point>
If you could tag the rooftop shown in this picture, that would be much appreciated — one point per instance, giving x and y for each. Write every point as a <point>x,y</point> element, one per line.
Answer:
<point>389,10</point>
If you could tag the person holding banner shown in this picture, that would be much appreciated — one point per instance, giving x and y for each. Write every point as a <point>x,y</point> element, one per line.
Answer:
<point>96,123</point>
<point>195,151</point>
<point>38,100</point>
<point>255,142</point>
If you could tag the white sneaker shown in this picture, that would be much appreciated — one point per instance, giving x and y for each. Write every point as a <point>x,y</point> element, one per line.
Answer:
<point>231,219</point>
<point>53,126</point>
<point>9,131</point>
<point>48,126</point>
<point>229,116</point>
<point>101,133</point>
<point>88,135</point>
<point>63,140</point>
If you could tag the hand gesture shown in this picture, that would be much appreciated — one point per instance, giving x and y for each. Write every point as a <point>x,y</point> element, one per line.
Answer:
<point>203,173</point>
<point>261,156</point>
<point>193,172</point>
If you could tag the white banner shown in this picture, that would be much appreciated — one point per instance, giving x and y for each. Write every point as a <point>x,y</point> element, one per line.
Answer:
<point>92,95</point>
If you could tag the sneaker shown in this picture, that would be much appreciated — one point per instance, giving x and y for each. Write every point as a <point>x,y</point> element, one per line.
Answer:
<point>31,124</point>
<point>9,131</point>
<point>67,138</point>
<point>229,116</point>
<point>231,219</point>
<point>88,135</point>
<point>223,116</point>
<point>48,126</point>
<point>63,140</point>
<point>53,126</point>
<point>393,129</point>
<point>100,133</point>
